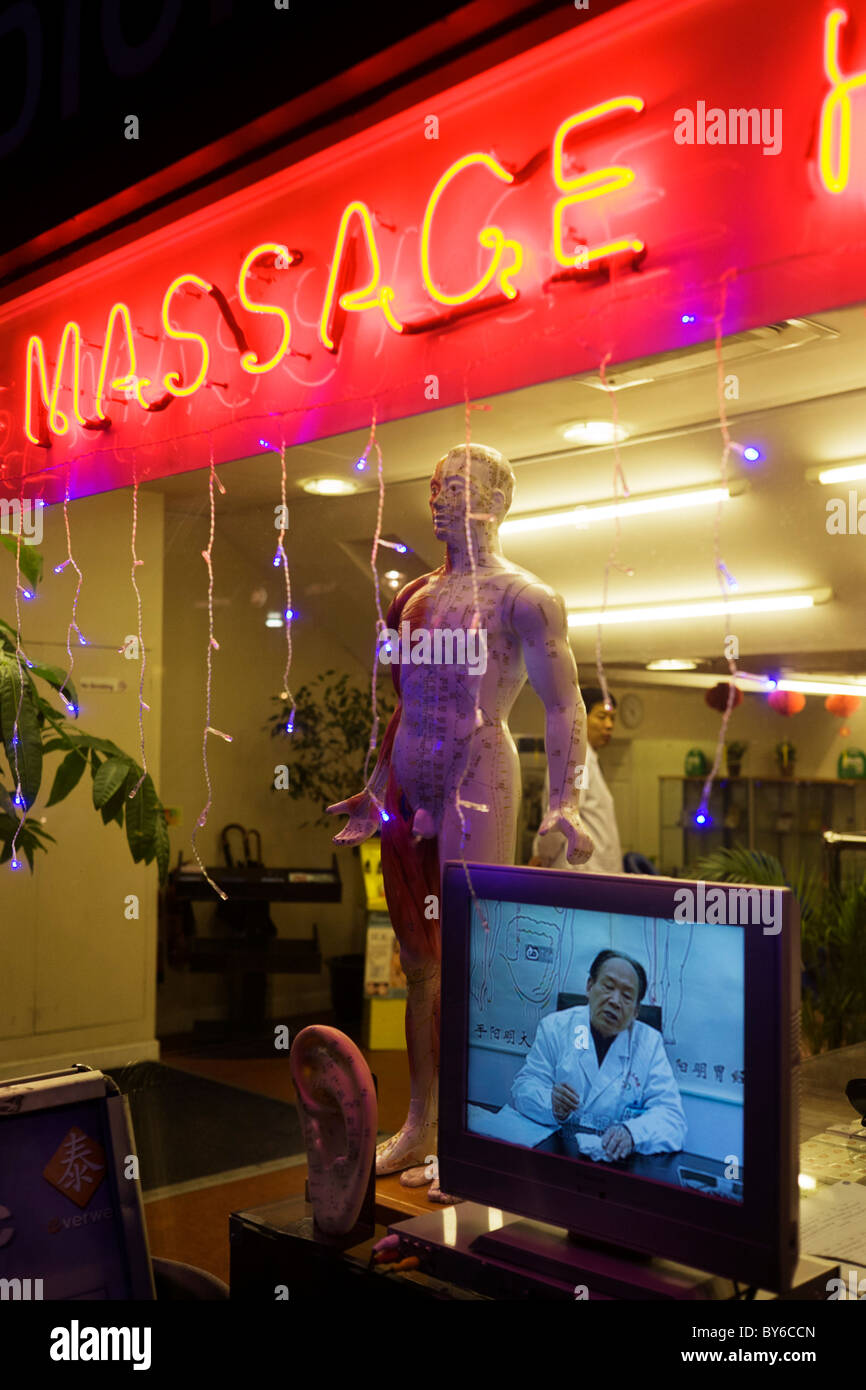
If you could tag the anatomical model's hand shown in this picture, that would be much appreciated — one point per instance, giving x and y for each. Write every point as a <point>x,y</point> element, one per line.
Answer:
<point>569,825</point>
<point>365,817</point>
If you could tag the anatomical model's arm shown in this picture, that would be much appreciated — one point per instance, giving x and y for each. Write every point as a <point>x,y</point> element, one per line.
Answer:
<point>540,622</point>
<point>364,808</point>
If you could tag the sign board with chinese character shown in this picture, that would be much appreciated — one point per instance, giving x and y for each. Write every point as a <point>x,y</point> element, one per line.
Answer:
<point>70,1212</point>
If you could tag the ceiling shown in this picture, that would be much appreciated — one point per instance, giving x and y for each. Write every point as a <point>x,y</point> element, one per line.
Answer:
<point>801,399</point>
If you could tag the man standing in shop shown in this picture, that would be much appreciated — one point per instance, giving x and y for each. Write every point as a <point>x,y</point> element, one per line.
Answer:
<point>550,849</point>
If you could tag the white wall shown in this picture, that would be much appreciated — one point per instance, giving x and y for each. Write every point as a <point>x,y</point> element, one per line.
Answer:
<point>78,978</point>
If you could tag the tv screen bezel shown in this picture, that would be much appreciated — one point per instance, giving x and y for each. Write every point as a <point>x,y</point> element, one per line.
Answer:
<point>754,1241</point>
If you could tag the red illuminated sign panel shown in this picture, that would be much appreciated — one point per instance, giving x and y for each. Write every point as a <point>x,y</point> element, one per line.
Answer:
<point>573,204</point>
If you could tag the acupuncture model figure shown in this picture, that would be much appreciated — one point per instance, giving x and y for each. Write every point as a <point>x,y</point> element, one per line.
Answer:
<point>450,734</point>
<point>337,1104</point>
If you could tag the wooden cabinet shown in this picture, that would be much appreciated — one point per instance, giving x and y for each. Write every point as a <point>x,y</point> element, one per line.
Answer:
<point>783,816</point>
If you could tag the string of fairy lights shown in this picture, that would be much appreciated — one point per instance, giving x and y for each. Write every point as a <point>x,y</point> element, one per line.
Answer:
<point>212,646</point>
<point>142,707</point>
<point>373,443</point>
<point>476,625</point>
<point>619,482</point>
<point>281,559</point>
<point>18,798</point>
<point>726,580</point>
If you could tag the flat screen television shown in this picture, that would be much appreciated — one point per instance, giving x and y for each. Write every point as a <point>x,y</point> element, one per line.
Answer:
<point>620,1058</point>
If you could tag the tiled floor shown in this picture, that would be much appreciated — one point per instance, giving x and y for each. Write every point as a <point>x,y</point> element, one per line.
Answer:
<point>193,1225</point>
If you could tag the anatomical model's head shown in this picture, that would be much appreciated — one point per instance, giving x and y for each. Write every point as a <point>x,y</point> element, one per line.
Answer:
<point>491,484</point>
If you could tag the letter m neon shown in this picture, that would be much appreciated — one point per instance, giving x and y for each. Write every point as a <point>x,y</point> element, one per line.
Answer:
<point>58,421</point>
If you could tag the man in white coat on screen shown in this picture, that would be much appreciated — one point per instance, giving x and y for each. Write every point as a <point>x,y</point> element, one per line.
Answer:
<point>598,1071</point>
<point>550,850</point>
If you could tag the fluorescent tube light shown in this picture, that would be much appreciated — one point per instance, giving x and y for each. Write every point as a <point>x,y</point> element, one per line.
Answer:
<point>606,511</point>
<point>845,473</point>
<point>703,608</point>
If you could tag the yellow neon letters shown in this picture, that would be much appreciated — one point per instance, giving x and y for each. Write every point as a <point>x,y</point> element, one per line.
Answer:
<point>171,380</point>
<point>371,296</point>
<point>489,237</point>
<point>121,382</point>
<point>593,184</point>
<point>57,420</point>
<point>835,177</point>
<point>249,360</point>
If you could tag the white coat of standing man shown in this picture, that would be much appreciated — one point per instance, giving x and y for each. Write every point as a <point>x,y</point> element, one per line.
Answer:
<point>549,851</point>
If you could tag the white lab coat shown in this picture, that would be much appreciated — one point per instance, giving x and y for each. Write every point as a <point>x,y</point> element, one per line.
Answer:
<point>598,815</point>
<point>634,1076</point>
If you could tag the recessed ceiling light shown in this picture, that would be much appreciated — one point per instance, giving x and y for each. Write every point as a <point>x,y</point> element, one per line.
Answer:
<point>275,619</point>
<point>595,432</point>
<point>672,664</point>
<point>393,574</point>
<point>329,487</point>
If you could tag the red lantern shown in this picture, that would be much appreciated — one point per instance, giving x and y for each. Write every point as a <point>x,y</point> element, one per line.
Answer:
<point>718,697</point>
<point>787,702</point>
<point>842,705</point>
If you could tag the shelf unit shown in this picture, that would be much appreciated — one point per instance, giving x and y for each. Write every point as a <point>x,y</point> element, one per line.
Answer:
<point>782,816</point>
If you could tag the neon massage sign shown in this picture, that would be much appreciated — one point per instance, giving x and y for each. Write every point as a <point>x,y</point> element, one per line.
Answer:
<point>43,416</point>
<point>569,239</point>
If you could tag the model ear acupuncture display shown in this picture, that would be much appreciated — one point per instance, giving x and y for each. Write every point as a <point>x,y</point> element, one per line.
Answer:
<point>456,681</point>
<point>338,1110</point>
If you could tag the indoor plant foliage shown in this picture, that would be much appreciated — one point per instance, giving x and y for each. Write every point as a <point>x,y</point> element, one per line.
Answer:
<point>833,942</point>
<point>42,730</point>
<point>735,752</point>
<point>329,739</point>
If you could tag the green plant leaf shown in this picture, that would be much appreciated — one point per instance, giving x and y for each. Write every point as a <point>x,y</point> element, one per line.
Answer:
<point>25,755</point>
<point>114,806</point>
<point>162,844</point>
<point>140,815</point>
<point>67,776</point>
<point>111,776</point>
<point>57,678</point>
<point>30,559</point>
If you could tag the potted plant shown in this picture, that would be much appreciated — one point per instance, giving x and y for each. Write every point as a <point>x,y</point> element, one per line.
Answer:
<point>329,738</point>
<point>786,757</point>
<point>326,746</point>
<point>32,728</point>
<point>832,942</point>
<point>734,752</point>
